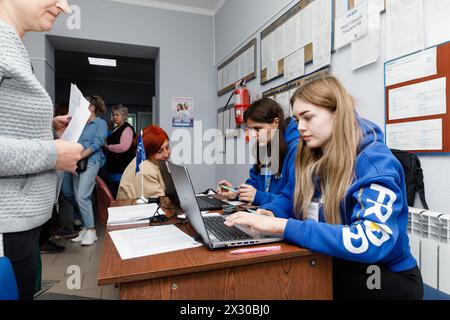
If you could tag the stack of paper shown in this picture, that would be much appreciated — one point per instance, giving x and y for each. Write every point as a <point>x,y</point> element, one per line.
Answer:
<point>140,242</point>
<point>132,214</point>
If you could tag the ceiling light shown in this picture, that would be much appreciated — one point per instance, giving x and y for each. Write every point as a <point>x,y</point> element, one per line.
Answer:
<point>102,62</point>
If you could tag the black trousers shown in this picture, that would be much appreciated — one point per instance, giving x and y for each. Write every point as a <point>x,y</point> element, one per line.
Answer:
<point>22,248</point>
<point>356,281</point>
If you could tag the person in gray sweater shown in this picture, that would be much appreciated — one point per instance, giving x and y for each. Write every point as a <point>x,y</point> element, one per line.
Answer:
<point>29,155</point>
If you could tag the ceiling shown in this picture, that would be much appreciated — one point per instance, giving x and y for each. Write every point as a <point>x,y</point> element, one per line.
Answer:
<point>204,7</point>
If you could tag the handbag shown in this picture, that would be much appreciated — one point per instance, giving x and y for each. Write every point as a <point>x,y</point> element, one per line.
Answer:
<point>82,165</point>
<point>8,284</point>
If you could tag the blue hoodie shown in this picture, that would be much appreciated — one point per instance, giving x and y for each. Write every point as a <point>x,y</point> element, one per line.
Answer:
<point>374,211</point>
<point>258,181</point>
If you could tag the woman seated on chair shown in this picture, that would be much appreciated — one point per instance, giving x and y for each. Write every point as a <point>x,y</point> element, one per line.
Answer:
<point>156,145</point>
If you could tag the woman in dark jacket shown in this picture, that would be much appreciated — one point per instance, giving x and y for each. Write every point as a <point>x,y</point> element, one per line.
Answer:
<point>119,148</point>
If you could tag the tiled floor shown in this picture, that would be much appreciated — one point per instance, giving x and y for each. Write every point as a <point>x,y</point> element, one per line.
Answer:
<point>55,266</point>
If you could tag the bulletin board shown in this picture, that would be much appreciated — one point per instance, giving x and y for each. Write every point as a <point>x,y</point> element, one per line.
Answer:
<point>295,31</point>
<point>282,94</point>
<point>241,65</point>
<point>423,127</point>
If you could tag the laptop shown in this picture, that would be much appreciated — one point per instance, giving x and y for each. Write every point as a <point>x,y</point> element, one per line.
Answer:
<point>205,202</point>
<point>211,228</point>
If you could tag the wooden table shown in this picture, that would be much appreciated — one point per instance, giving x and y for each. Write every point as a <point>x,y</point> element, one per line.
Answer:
<point>201,274</point>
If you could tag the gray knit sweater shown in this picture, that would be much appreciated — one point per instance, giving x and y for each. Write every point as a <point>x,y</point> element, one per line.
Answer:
<point>27,151</point>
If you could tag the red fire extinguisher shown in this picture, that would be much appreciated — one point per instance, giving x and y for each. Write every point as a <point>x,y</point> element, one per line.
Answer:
<point>241,101</point>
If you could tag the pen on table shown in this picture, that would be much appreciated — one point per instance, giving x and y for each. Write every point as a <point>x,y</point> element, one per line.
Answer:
<point>228,188</point>
<point>260,249</point>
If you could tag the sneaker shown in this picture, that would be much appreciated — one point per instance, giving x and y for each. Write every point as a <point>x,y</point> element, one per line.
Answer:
<point>64,234</point>
<point>51,247</point>
<point>80,236</point>
<point>89,238</point>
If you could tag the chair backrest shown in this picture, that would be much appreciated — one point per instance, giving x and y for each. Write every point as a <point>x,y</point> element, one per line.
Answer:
<point>104,200</point>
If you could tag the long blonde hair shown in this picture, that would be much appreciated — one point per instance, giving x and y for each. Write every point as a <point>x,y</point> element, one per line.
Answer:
<point>334,166</point>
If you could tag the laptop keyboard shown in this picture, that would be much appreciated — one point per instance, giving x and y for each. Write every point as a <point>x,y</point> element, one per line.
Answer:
<point>206,203</point>
<point>215,225</point>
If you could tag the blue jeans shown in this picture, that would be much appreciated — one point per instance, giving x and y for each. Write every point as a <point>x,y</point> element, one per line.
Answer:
<point>78,190</point>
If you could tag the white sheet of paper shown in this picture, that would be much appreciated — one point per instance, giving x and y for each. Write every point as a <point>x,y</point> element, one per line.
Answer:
<point>283,100</point>
<point>321,15</point>
<point>75,98</point>
<point>417,100</point>
<point>351,26</point>
<point>437,17</point>
<point>278,44</point>
<point>267,51</point>
<point>405,27</point>
<point>219,80</point>
<point>294,65</point>
<point>250,61</point>
<point>365,50</point>
<point>415,66</point>
<point>322,50</point>
<point>305,25</point>
<point>141,242</point>
<point>418,135</point>
<point>340,8</point>
<point>125,214</point>
<point>272,70</point>
<point>290,36</point>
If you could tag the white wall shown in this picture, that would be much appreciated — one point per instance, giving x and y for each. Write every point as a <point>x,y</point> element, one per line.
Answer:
<point>366,85</point>
<point>185,61</point>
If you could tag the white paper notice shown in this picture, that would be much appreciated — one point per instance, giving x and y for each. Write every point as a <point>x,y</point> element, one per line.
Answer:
<point>340,8</point>
<point>321,13</point>
<point>322,50</point>
<point>415,66</point>
<point>278,44</point>
<point>351,26</point>
<point>290,36</point>
<point>141,242</point>
<point>283,100</point>
<point>80,116</point>
<point>417,100</point>
<point>419,135</point>
<point>438,21</point>
<point>267,51</point>
<point>405,27</point>
<point>294,65</point>
<point>74,100</point>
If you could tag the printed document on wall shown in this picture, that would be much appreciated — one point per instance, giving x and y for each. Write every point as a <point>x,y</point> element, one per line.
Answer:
<point>305,25</point>
<point>405,27</point>
<point>283,100</point>
<point>418,100</point>
<point>321,50</point>
<point>418,135</point>
<point>415,66</point>
<point>351,26</point>
<point>437,18</point>
<point>294,65</point>
<point>290,37</point>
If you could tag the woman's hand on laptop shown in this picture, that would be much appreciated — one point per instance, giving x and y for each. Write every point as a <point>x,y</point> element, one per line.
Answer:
<point>259,222</point>
<point>265,212</point>
<point>224,189</point>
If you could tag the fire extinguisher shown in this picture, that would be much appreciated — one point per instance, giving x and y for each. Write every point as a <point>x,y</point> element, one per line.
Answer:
<point>241,101</point>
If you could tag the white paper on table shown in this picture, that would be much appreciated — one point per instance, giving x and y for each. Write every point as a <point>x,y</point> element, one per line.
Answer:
<point>417,100</point>
<point>290,36</point>
<point>437,21</point>
<point>283,100</point>
<point>294,65</point>
<point>305,25</point>
<point>405,27</point>
<point>351,26</point>
<point>417,135</point>
<point>125,214</point>
<point>415,66</point>
<point>322,50</point>
<point>141,242</point>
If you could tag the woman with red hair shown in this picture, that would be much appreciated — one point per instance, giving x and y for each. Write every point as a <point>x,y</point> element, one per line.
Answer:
<point>156,145</point>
